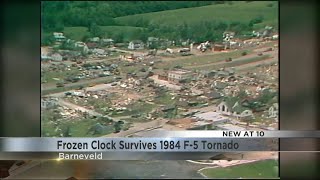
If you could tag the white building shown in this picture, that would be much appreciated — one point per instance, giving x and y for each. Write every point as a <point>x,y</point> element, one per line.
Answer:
<point>137,44</point>
<point>179,75</point>
<point>234,109</point>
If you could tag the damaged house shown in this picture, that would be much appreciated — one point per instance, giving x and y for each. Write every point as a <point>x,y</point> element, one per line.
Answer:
<point>81,46</point>
<point>136,44</point>
<point>179,75</point>
<point>47,103</point>
<point>232,107</point>
<point>59,37</point>
<point>152,42</point>
<point>107,42</point>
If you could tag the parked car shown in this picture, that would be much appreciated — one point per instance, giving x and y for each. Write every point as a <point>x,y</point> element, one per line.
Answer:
<point>260,54</point>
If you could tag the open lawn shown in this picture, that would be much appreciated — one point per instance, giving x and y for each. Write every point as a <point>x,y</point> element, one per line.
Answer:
<point>260,169</point>
<point>240,11</point>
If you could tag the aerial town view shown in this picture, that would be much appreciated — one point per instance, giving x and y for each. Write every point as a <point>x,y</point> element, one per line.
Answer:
<point>125,69</point>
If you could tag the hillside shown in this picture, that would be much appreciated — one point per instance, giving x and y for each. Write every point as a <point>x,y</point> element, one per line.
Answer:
<point>195,23</point>
<point>128,32</point>
<point>237,11</point>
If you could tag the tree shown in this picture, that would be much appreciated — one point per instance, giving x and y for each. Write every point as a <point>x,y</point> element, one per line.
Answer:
<point>95,30</point>
<point>85,38</point>
<point>117,127</point>
<point>118,37</point>
<point>47,40</point>
<point>256,20</point>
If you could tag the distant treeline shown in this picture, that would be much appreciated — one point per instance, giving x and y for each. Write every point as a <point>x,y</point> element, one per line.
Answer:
<point>57,14</point>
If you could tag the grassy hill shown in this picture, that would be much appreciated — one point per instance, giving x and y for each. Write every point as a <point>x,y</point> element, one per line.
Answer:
<point>78,33</point>
<point>237,11</point>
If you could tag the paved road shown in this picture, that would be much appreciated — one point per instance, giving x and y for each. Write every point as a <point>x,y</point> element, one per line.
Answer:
<point>254,64</point>
<point>271,53</point>
<point>129,52</point>
<point>97,87</point>
<point>84,82</point>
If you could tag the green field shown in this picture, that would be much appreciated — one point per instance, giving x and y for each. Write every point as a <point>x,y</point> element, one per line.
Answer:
<point>237,11</point>
<point>260,169</point>
<point>78,33</point>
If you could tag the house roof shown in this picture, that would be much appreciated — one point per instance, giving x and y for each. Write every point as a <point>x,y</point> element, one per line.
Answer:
<point>232,104</point>
<point>180,71</point>
<point>153,39</point>
<point>137,41</point>
<point>239,108</point>
<point>107,40</point>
